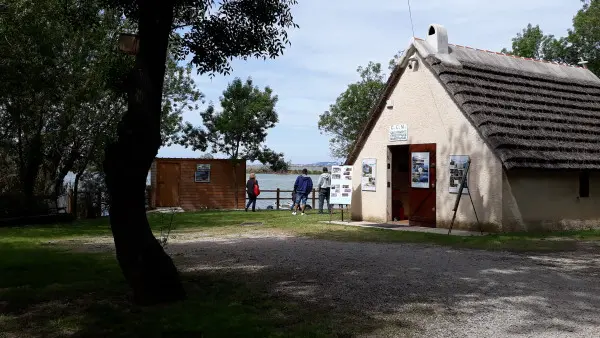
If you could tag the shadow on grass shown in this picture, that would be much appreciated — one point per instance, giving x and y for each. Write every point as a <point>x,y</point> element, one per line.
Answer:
<point>46,292</point>
<point>202,220</point>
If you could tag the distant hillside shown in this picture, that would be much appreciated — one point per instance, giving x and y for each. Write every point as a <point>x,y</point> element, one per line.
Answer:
<point>313,168</point>
<point>326,164</point>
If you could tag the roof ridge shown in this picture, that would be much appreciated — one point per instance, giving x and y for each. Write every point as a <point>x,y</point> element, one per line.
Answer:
<point>511,55</point>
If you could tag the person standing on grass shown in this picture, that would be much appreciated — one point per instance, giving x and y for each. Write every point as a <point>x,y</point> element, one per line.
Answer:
<point>302,187</point>
<point>250,191</point>
<point>324,186</point>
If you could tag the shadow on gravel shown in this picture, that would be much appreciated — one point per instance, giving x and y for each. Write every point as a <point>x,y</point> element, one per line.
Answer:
<point>265,287</point>
<point>441,290</point>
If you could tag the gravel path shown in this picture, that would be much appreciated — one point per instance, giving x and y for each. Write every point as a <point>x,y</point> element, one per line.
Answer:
<point>435,291</point>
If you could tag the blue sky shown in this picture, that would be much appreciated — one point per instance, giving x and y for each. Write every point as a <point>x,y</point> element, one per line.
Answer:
<point>337,36</point>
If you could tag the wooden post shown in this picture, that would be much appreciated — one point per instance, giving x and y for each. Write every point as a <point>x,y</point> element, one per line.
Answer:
<point>277,199</point>
<point>69,200</point>
<point>314,206</point>
<point>99,201</point>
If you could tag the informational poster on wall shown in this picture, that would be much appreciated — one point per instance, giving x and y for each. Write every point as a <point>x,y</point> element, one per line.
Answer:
<point>398,132</point>
<point>420,170</point>
<point>369,171</point>
<point>341,185</point>
<point>458,166</point>
<point>202,174</point>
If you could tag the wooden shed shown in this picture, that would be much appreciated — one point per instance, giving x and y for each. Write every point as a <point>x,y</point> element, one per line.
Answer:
<point>195,184</point>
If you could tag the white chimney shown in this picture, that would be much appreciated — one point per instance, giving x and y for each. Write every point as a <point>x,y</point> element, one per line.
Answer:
<point>437,38</point>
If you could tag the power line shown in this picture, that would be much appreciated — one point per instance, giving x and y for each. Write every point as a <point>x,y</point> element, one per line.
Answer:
<point>411,19</point>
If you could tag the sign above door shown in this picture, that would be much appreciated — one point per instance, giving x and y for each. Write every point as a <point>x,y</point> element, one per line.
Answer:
<point>398,132</point>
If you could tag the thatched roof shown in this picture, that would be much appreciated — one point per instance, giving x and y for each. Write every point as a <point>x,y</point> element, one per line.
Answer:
<point>532,114</point>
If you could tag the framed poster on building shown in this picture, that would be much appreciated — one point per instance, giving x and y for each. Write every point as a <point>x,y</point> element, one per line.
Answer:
<point>341,185</point>
<point>419,170</point>
<point>369,173</point>
<point>458,165</point>
<point>202,174</point>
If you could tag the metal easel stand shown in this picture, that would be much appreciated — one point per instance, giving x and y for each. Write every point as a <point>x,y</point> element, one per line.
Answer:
<point>460,190</point>
<point>342,206</point>
<point>342,210</point>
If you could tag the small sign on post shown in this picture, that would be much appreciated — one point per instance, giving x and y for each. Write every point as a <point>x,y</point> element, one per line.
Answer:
<point>398,132</point>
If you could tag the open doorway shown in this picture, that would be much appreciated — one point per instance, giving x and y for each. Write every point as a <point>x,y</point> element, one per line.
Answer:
<point>400,183</point>
<point>413,180</point>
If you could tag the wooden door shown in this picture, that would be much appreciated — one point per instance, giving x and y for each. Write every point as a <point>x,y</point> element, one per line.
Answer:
<point>422,185</point>
<point>168,185</point>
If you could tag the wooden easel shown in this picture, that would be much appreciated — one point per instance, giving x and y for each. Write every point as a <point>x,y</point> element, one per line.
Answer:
<point>463,181</point>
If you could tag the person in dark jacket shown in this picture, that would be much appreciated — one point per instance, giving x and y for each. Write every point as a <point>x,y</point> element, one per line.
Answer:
<point>252,181</point>
<point>303,186</point>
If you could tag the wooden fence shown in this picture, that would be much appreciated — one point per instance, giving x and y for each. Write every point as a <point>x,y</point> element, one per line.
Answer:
<point>313,196</point>
<point>278,198</point>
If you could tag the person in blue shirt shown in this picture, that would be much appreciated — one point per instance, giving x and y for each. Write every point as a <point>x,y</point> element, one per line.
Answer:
<point>303,186</point>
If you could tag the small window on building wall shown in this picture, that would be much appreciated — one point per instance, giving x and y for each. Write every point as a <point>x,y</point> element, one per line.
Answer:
<point>584,184</point>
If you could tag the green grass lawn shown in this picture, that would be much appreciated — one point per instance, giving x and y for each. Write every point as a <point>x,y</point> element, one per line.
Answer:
<point>49,291</point>
<point>229,222</point>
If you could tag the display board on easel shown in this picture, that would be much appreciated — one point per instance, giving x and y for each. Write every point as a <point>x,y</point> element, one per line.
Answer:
<point>461,189</point>
<point>458,167</point>
<point>341,186</point>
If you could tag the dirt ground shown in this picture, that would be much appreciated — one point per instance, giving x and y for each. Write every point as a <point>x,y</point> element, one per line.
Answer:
<point>410,289</point>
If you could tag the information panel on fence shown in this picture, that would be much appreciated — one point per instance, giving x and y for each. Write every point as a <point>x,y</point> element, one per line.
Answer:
<point>202,174</point>
<point>341,185</point>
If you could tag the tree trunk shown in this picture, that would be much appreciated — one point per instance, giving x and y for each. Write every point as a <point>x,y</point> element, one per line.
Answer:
<point>32,167</point>
<point>149,271</point>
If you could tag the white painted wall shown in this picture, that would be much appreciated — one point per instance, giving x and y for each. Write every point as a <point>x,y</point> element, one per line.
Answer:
<point>432,117</point>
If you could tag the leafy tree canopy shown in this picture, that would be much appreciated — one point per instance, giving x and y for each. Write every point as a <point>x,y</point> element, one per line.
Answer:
<point>345,118</point>
<point>222,30</point>
<point>240,128</point>
<point>581,42</point>
<point>275,161</point>
<point>60,98</point>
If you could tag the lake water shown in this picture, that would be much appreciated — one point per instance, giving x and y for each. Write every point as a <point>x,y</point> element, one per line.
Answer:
<point>283,182</point>
<point>266,181</point>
